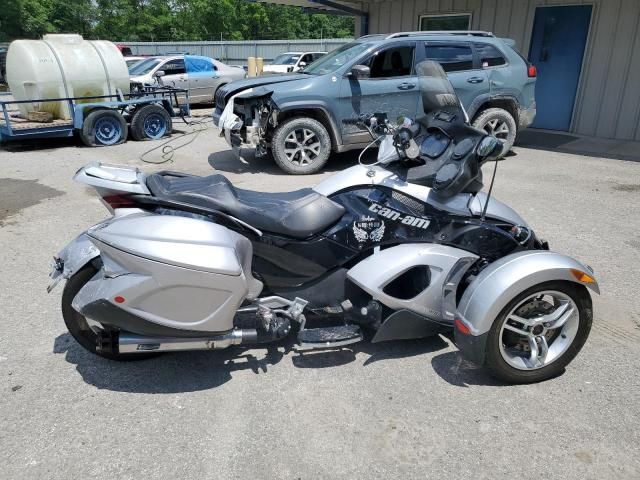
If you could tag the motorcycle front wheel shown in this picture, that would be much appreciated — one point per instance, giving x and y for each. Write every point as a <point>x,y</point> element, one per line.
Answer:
<point>83,330</point>
<point>539,332</point>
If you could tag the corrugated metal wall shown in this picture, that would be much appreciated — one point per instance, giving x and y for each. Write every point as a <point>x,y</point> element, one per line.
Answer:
<point>608,100</point>
<point>236,53</point>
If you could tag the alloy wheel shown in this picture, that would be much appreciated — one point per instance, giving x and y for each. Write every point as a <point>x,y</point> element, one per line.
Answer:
<point>302,146</point>
<point>539,330</point>
<point>498,128</point>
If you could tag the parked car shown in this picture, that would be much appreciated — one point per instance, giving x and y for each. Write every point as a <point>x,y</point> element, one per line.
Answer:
<point>201,76</point>
<point>377,73</point>
<point>131,61</point>
<point>126,51</point>
<point>292,61</point>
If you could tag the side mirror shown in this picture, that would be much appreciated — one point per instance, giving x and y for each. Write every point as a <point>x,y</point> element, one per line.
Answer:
<point>302,64</point>
<point>490,148</point>
<point>159,73</point>
<point>359,71</point>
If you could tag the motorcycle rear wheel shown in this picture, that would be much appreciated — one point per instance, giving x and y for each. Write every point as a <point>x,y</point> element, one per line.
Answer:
<point>528,344</point>
<point>84,332</point>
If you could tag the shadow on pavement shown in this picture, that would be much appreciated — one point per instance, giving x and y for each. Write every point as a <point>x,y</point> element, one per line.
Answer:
<point>455,370</point>
<point>204,370</point>
<point>39,144</point>
<point>245,161</point>
<point>579,145</point>
<point>167,373</point>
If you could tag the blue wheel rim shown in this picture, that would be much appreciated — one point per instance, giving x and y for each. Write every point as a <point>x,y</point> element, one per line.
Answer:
<point>108,131</point>
<point>155,126</point>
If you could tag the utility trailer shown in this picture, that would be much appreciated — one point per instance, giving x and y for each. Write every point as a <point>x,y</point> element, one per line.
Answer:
<point>100,120</point>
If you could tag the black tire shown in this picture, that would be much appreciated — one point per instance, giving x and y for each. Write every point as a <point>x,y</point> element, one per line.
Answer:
<point>104,127</point>
<point>500,369</point>
<point>151,122</point>
<point>77,323</point>
<point>486,120</point>
<point>307,159</point>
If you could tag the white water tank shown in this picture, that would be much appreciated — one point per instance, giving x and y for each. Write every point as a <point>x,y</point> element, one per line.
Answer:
<point>64,65</point>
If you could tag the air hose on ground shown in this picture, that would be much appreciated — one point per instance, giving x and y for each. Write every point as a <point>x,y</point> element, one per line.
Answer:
<point>167,148</point>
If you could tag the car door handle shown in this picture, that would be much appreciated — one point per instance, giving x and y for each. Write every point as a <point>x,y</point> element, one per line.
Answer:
<point>475,79</point>
<point>406,86</point>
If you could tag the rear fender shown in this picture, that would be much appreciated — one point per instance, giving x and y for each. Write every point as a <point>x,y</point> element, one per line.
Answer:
<point>491,291</point>
<point>72,258</point>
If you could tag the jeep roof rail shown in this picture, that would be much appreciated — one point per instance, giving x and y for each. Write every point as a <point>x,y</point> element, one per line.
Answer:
<point>473,33</point>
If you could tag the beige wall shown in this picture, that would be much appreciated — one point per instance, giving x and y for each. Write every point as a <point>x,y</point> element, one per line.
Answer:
<point>608,100</point>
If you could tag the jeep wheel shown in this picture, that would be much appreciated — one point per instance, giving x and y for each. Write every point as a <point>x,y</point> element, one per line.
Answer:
<point>500,124</point>
<point>301,146</point>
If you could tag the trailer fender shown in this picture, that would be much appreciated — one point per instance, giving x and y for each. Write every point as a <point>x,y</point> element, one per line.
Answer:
<point>491,291</point>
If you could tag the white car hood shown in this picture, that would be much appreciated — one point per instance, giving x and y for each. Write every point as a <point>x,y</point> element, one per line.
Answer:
<point>277,68</point>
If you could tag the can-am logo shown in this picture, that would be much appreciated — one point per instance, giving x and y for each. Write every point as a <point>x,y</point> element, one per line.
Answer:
<point>391,214</point>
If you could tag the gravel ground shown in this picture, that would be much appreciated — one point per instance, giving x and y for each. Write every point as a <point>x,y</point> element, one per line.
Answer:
<point>395,410</point>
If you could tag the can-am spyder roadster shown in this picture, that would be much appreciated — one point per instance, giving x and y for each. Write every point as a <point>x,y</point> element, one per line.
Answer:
<point>405,247</point>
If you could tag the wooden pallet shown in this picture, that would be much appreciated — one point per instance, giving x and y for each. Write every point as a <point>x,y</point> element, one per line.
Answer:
<point>19,123</point>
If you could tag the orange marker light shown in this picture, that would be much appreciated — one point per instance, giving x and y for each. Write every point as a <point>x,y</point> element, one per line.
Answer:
<point>582,277</point>
<point>462,328</point>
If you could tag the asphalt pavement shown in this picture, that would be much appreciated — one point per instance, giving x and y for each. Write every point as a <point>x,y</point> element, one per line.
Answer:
<point>395,410</point>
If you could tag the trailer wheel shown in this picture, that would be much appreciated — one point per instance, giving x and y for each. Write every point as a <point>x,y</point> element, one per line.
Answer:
<point>104,128</point>
<point>150,122</point>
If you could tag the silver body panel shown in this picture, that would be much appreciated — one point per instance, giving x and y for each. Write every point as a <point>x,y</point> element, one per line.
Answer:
<point>178,272</point>
<point>112,178</point>
<point>374,273</point>
<point>500,282</point>
<point>461,204</point>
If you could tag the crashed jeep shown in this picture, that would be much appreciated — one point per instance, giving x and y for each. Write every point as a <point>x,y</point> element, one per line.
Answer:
<point>300,117</point>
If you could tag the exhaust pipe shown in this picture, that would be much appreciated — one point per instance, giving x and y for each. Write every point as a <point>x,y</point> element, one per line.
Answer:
<point>124,342</point>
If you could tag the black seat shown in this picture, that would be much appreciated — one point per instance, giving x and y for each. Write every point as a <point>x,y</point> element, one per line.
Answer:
<point>297,214</point>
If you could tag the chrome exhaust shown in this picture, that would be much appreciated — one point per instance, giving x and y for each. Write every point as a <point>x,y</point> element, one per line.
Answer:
<point>131,343</point>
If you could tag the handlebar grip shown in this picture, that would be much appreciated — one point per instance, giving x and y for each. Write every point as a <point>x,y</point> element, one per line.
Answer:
<point>352,121</point>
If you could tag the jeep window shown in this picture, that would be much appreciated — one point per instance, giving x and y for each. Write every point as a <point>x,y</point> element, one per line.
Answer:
<point>174,67</point>
<point>337,58</point>
<point>489,55</point>
<point>394,62</point>
<point>453,58</point>
<point>285,59</point>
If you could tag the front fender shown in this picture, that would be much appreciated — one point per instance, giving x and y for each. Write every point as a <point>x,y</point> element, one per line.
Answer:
<point>491,291</point>
<point>72,258</point>
<point>506,278</point>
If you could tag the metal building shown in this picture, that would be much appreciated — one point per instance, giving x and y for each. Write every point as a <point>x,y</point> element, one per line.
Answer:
<point>587,52</point>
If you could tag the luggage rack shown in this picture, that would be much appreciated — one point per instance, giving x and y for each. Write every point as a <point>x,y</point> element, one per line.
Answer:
<point>14,126</point>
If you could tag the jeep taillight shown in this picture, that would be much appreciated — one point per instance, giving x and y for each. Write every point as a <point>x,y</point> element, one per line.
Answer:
<point>532,71</point>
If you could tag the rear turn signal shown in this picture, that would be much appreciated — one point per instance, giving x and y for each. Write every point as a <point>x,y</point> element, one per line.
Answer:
<point>119,201</point>
<point>582,277</point>
<point>462,328</point>
<point>532,71</point>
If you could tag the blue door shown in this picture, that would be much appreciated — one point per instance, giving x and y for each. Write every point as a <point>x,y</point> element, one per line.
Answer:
<point>557,48</point>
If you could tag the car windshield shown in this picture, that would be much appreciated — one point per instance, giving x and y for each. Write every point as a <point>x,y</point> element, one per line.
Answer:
<point>285,59</point>
<point>145,66</point>
<point>336,59</point>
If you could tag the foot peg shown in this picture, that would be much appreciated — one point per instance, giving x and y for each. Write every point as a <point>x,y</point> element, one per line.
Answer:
<point>329,337</point>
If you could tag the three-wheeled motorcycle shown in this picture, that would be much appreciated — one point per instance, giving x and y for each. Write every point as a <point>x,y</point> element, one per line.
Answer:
<point>406,246</point>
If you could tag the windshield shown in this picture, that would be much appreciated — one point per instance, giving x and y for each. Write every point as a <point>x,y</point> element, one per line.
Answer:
<point>436,91</point>
<point>285,59</point>
<point>337,58</point>
<point>145,66</point>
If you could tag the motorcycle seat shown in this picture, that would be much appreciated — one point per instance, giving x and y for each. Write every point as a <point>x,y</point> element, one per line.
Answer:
<point>297,214</point>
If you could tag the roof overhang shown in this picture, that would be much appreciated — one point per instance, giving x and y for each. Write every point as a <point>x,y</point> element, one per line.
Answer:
<point>328,7</point>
